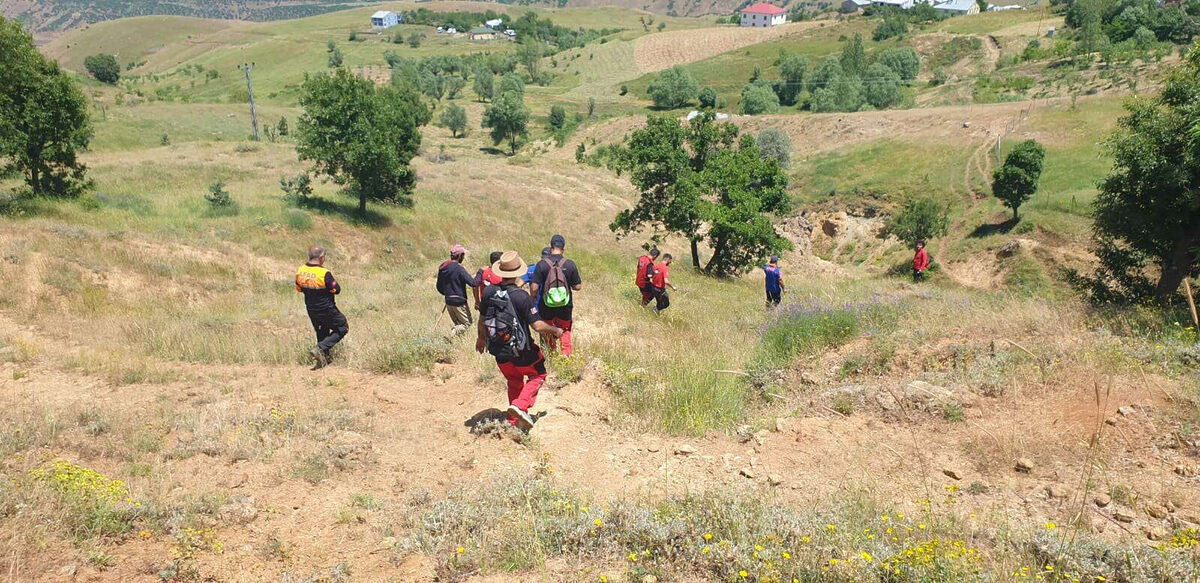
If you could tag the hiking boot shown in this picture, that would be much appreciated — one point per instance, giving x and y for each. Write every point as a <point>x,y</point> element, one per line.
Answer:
<point>524,421</point>
<point>320,360</point>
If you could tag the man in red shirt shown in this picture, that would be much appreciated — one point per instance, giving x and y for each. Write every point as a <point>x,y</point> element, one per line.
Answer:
<point>486,277</point>
<point>920,262</point>
<point>660,280</point>
<point>642,279</point>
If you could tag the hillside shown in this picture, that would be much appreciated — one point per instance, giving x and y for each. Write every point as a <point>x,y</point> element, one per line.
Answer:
<point>159,421</point>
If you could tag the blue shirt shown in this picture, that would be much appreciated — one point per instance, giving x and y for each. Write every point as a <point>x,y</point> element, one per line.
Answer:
<point>774,277</point>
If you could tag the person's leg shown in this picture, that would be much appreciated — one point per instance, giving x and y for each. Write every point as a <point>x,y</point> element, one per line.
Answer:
<point>319,326</point>
<point>461,317</point>
<point>515,380</point>
<point>336,329</point>
<point>528,390</point>
<point>647,295</point>
<point>567,348</point>
<point>662,300</point>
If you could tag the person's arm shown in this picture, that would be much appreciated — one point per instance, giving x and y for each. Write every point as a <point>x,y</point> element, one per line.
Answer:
<point>480,337</point>
<point>533,281</point>
<point>332,284</point>
<point>475,291</point>
<point>781,286</point>
<point>542,327</point>
<point>575,281</point>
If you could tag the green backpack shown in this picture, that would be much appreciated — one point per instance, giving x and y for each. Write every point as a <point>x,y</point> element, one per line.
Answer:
<point>557,293</point>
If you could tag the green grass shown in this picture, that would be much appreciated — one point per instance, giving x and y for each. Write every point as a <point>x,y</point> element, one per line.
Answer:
<point>882,173</point>
<point>989,22</point>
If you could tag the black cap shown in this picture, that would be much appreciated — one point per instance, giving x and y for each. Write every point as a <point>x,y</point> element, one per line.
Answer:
<point>546,252</point>
<point>558,242</point>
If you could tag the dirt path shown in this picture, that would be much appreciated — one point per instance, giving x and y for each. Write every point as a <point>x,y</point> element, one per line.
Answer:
<point>992,52</point>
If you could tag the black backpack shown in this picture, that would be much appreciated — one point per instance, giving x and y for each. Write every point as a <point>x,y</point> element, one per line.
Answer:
<point>507,336</point>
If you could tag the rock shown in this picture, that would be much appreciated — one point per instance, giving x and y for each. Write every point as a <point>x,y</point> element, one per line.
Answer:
<point>781,424</point>
<point>924,396</point>
<point>747,473</point>
<point>68,570</point>
<point>830,228</point>
<point>684,449</point>
<point>1124,411</point>
<point>1024,465</point>
<point>952,473</point>
<point>807,378</point>
<point>1102,500</point>
<point>1057,491</point>
<point>653,448</point>
<point>1097,524</point>
<point>1156,533</point>
<point>240,510</point>
<point>760,436</point>
<point>774,479</point>
<point>237,480</point>
<point>966,124</point>
<point>1009,249</point>
<point>744,433</point>
<point>1186,470</point>
<point>1156,511</point>
<point>1123,515</point>
<point>349,445</point>
<point>1111,421</point>
<point>649,579</point>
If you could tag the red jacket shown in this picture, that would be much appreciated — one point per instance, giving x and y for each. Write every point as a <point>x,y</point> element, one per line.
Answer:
<point>921,260</point>
<point>643,262</point>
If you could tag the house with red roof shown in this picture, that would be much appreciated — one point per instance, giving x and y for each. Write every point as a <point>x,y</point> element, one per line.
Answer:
<point>763,15</point>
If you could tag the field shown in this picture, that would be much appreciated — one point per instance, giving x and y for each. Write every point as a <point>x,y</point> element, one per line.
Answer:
<point>159,422</point>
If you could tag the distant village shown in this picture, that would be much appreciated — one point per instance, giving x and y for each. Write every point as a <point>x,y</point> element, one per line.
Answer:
<point>489,30</point>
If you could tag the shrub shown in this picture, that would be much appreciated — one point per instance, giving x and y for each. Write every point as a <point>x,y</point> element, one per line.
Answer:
<point>881,86</point>
<point>335,58</point>
<point>624,89</point>
<point>805,329</point>
<point>558,117</point>
<point>921,219</point>
<point>673,88</point>
<point>296,189</point>
<point>353,36</point>
<point>775,145</point>
<point>758,99</point>
<point>218,198</point>
<point>903,61</point>
<point>297,220</point>
<point>889,27</point>
<point>103,67</point>
<point>708,98</point>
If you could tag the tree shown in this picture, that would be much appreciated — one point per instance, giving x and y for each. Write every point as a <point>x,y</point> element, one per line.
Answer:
<point>362,136</point>
<point>708,98</point>
<point>921,219</point>
<point>454,118</point>
<point>432,85</point>
<point>484,81</point>
<point>530,54</point>
<point>1147,214</point>
<point>775,145</point>
<point>890,26</point>
<point>881,86</point>
<point>414,40</point>
<point>335,58</point>
<point>508,119</point>
<point>792,70</point>
<point>512,83</point>
<point>282,126</point>
<point>558,117</point>
<point>758,98</point>
<point>904,61</point>
<point>854,57</point>
<point>827,74</point>
<point>103,67</point>
<point>43,118</point>
<point>1017,179</point>
<point>454,85</point>
<point>699,182</point>
<point>673,88</point>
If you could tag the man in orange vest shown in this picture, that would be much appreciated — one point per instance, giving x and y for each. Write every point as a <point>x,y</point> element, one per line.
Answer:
<point>319,287</point>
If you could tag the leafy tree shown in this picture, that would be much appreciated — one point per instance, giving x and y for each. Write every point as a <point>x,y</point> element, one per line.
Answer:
<point>508,119</point>
<point>881,86</point>
<point>484,82</point>
<point>826,74</point>
<point>43,118</point>
<point>921,219</point>
<point>903,60</point>
<point>282,126</point>
<point>103,67</point>
<point>758,98</point>
<point>530,54</point>
<point>362,136</point>
<point>708,98</point>
<point>512,83</point>
<point>775,145</point>
<point>699,181</point>
<point>792,70</point>
<point>432,85</point>
<point>335,58</point>
<point>889,27</point>
<point>296,189</point>
<point>454,118</point>
<point>673,88</point>
<point>1147,215</point>
<point>854,57</point>
<point>558,117</point>
<point>1016,180</point>
<point>454,85</point>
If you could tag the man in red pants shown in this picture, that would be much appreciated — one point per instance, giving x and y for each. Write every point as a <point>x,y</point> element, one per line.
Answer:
<point>554,283</point>
<point>507,314</point>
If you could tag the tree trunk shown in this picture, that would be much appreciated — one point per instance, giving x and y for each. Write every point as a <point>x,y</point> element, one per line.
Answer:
<point>35,180</point>
<point>362,204</point>
<point>1179,264</point>
<point>718,254</point>
<point>1015,217</point>
<point>696,253</point>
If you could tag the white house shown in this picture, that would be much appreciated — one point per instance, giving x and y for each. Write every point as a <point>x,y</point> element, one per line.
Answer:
<point>384,19</point>
<point>956,7</point>
<point>763,14</point>
<point>901,4</point>
<point>493,23</point>
<point>994,8</point>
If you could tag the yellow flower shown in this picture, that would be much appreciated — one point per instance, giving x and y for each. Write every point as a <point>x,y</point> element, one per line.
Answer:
<point>866,556</point>
<point>758,547</point>
<point>461,550</point>
<point>743,574</point>
<point>632,557</point>
<point>1049,567</point>
<point>603,579</point>
<point>708,536</point>
<point>921,526</point>
<point>143,533</point>
<point>704,550</point>
<point>831,527</point>
<point>1051,526</point>
<point>805,539</point>
<point>833,561</point>
<point>885,518</point>
<point>787,555</point>
<point>598,522</point>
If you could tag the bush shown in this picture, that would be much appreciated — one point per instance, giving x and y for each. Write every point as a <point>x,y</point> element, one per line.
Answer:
<point>335,58</point>
<point>757,99</point>
<point>297,220</point>
<point>708,98</point>
<point>903,61</point>
<point>218,198</point>
<point>921,219</point>
<point>296,189</point>
<point>103,67</point>
<point>558,117</point>
<point>889,27</point>
<point>673,88</point>
<point>624,90</point>
<point>775,145</point>
<point>881,86</point>
<point>803,330</point>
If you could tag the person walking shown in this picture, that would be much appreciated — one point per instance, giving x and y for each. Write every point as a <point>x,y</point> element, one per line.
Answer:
<point>485,277</point>
<point>644,269</point>
<point>318,286</point>
<point>660,280</point>
<point>554,283</point>
<point>452,282</point>
<point>920,262</point>
<point>775,285</point>
<point>504,322</point>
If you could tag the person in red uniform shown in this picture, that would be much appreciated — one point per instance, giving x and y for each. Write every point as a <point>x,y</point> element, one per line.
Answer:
<point>642,279</point>
<point>508,313</point>
<point>920,262</point>
<point>660,280</point>
<point>485,277</point>
<point>319,288</point>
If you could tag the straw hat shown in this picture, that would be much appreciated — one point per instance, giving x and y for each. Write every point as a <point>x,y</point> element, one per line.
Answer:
<point>510,265</point>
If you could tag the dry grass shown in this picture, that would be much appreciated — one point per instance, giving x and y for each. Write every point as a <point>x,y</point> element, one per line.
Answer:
<point>660,51</point>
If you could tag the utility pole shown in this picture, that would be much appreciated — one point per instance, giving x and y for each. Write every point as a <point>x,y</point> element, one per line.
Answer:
<point>246,68</point>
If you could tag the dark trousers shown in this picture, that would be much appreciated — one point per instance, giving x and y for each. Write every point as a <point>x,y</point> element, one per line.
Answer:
<point>774,298</point>
<point>662,301</point>
<point>330,326</point>
<point>918,276</point>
